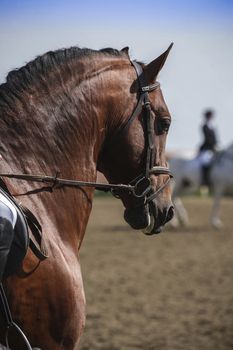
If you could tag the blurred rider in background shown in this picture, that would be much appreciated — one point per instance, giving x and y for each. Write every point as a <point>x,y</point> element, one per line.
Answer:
<point>208,146</point>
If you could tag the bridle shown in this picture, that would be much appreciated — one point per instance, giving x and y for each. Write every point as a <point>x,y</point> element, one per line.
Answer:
<point>141,186</point>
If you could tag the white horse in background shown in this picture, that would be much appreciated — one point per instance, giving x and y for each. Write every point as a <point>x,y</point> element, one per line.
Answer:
<point>188,175</point>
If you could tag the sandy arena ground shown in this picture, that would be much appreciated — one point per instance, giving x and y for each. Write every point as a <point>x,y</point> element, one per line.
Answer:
<point>173,291</point>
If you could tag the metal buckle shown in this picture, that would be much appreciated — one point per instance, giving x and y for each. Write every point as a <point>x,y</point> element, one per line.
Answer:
<point>150,88</point>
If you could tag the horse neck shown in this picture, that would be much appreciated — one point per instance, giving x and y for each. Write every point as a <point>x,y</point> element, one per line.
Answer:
<point>49,127</point>
<point>62,131</point>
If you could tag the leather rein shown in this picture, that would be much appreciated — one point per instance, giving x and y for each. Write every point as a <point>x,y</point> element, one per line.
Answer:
<point>139,187</point>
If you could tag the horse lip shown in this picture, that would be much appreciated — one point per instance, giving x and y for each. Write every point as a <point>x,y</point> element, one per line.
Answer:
<point>149,224</point>
<point>157,230</point>
<point>139,223</point>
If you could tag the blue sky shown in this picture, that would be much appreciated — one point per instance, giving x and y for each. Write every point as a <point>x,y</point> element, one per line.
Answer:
<point>197,75</point>
<point>117,10</point>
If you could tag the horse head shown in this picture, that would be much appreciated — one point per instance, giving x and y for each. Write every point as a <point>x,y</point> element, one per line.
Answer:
<point>135,151</point>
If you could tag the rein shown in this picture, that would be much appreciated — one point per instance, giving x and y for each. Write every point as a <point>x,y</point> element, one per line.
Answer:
<point>139,187</point>
<point>57,182</point>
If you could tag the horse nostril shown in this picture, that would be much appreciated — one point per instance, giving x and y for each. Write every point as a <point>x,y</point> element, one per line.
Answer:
<point>170,213</point>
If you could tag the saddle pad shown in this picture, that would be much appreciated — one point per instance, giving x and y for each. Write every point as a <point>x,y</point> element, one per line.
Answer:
<point>20,241</point>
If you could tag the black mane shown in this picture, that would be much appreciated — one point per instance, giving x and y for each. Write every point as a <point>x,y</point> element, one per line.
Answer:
<point>33,72</point>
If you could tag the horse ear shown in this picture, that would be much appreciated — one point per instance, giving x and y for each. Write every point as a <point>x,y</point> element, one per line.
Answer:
<point>125,50</point>
<point>153,68</point>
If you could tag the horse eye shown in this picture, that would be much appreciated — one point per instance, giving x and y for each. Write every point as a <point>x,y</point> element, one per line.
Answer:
<point>163,125</point>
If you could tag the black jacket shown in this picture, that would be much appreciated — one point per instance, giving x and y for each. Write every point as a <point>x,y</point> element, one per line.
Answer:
<point>210,140</point>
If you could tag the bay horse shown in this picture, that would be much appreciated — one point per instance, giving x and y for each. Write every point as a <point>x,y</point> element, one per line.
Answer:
<point>69,111</point>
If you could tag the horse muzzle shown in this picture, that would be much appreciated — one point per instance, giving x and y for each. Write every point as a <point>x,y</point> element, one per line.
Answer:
<point>149,218</point>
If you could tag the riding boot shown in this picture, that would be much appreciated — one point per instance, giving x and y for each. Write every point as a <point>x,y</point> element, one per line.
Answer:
<point>206,175</point>
<point>6,237</point>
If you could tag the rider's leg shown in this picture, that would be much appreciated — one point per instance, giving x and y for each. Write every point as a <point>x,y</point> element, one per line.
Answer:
<point>206,175</point>
<point>8,217</point>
